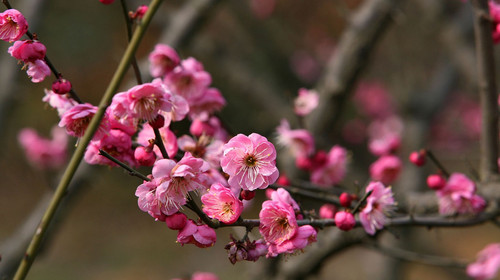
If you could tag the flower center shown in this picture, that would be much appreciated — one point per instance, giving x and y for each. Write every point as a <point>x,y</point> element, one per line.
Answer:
<point>250,161</point>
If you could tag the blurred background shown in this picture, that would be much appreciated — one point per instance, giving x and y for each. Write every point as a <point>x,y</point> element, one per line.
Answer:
<point>259,53</point>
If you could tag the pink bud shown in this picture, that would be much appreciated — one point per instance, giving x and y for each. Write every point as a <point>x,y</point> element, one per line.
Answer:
<point>144,156</point>
<point>283,180</point>
<point>139,13</point>
<point>61,86</point>
<point>327,211</point>
<point>344,220</point>
<point>418,158</point>
<point>107,2</point>
<point>28,50</point>
<point>176,221</point>
<point>158,122</point>
<point>247,195</point>
<point>436,182</point>
<point>345,200</point>
<point>198,128</point>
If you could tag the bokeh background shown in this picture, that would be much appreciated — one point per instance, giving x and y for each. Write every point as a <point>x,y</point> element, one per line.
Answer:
<point>259,53</point>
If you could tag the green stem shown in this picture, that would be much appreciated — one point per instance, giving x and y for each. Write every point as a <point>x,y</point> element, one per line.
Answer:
<point>40,232</point>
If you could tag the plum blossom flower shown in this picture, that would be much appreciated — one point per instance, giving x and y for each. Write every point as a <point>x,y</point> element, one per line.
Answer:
<point>176,180</point>
<point>386,169</point>
<point>221,204</point>
<point>299,141</point>
<point>38,70</point>
<point>208,103</point>
<point>148,201</point>
<point>250,162</point>
<point>189,79</point>
<point>202,236</point>
<point>41,152</point>
<point>176,221</point>
<point>146,101</point>
<point>487,264</point>
<point>327,211</point>
<point>28,50</point>
<point>305,235</point>
<point>459,196</point>
<point>78,118</point>
<point>345,220</point>
<point>333,170</point>
<point>13,25</point>
<point>277,222</point>
<point>206,148</point>
<point>116,143</point>
<point>60,102</point>
<point>385,135</point>
<point>204,276</point>
<point>378,204</point>
<point>307,101</point>
<point>163,59</point>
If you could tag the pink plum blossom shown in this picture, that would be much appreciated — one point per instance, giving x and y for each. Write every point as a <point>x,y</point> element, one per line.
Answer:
<point>284,196</point>
<point>28,50</point>
<point>189,79</point>
<point>487,264</point>
<point>180,108</point>
<point>386,169</point>
<point>38,70</point>
<point>61,86</point>
<point>139,12</point>
<point>299,141</point>
<point>13,25</point>
<point>250,162</point>
<point>78,118</point>
<point>148,201</point>
<point>146,101</point>
<point>168,137</point>
<point>107,2</point>
<point>221,204</point>
<point>202,236</point>
<point>277,222</point>
<point>459,196</point>
<point>306,102</point>
<point>208,103</point>
<point>436,181</point>
<point>206,148</point>
<point>162,60</point>
<point>378,204</point>
<point>333,170</point>
<point>385,135</point>
<point>41,152</point>
<point>116,143</point>
<point>144,156</point>
<point>60,102</point>
<point>176,180</point>
<point>212,127</point>
<point>305,235</point>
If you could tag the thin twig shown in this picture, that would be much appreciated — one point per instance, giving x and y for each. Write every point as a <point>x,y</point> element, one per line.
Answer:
<point>130,170</point>
<point>159,143</point>
<point>135,66</point>
<point>433,158</point>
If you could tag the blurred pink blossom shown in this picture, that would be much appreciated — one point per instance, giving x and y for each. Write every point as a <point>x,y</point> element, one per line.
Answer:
<point>299,141</point>
<point>373,100</point>
<point>487,264</point>
<point>334,168</point>
<point>459,196</point>
<point>386,169</point>
<point>385,135</point>
<point>162,60</point>
<point>41,152</point>
<point>306,102</point>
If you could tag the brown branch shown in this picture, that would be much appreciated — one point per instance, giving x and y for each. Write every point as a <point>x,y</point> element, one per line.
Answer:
<point>349,60</point>
<point>487,90</point>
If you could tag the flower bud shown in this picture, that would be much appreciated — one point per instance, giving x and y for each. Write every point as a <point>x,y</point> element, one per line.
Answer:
<point>158,122</point>
<point>247,195</point>
<point>344,220</point>
<point>176,221</point>
<point>61,86</point>
<point>327,211</point>
<point>436,182</point>
<point>418,158</point>
<point>144,156</point>
<point>345,200</point>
